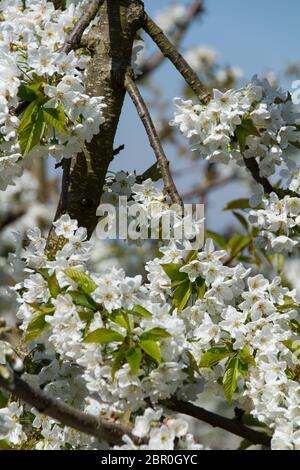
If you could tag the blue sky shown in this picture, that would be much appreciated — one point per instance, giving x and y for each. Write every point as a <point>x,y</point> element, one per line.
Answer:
<point>257,36</point>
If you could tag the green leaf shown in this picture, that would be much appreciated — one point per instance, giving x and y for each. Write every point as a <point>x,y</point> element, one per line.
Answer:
<point>37,325</point>
<point>119,319</point>
<point>155,334</point>
<point>213,356</point>
<point>191,256</point>
<point>86,315</point>
<point>241,220</point>
<point>246,358</point>
<point>29,135</point>
<point>31,109</point>
<point>103,336</point>
<point>193,366</point>
<point>83,300</point>
<point>182,295</point>
<point>152,349</point>
<point>217,238</point>
<point>3,400</point>
<point>83,281</point>
<point>237,244</point>
<point>26,93</point>
<point>172,271</point>
<point>201,287</point>
<point>53,286</point>
<point>237,204</point>
<point>56,118</point>
<point>230,378</point>
<point>289,305</point>
<point>295,326</point>
<point>243,130</point>
<point>153,172</point>
<point>134,358</point>
<point>118,359</point>
<point>293,345</point>
<point>141,311</point>
<point>4,445</point>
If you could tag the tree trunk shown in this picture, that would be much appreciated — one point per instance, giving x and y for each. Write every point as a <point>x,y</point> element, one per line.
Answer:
<point>110,43</point>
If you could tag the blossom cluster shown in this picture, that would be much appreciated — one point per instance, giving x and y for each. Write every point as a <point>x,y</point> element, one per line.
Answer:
<point>106,342</point>
<point>151,204</point>
<point>254,122</point>
<point>43,106</point>
<point>278,222</point>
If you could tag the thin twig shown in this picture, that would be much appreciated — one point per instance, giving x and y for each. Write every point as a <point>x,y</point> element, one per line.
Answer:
<point>146,119</point>
<point>101,429</point>
<point>209,186</point>
<point>118,150</point>
<point>231,425</point>
<point>253,167</point>
<point>73,41</point>
<point>170,51</point>
<point>154,61</point>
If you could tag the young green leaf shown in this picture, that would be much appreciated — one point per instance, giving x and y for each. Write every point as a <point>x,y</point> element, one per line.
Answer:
<point>56,118</point>
<point>237,244</point>
<point>182,295</point>
<point>83,300</point>
<point>141,311</point>
<point>241,220</point>
<point>119,319</point>
<point>172,271</point>
<point>86,315</point>
<point>213,356</point>
<point>26,93</point>
<point>118,358</point>
<point>155,334</point>
<point>83,281</point>
<point>53,286</point>
<point>103,336</point>
<point>217,238</point>
<point>134,358</point>
<point>237,204</point>
<point>246,358</point>
<point>230,378</point>
<point>37,325</point>
<point>152,349</point>
<point>153,172</point>
<point>201,287</point>
<point>243,131</point>
<point>29,135</point>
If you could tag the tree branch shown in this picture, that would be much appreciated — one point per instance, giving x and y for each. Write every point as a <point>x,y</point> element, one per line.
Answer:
<point>101,429</point>
<point>146,119</point>
<point>231,425</point>
<point>154,61</point>
<point>111,432</point>
<point>73,41</point>
<point>170,51</point>
<point>253,167</point>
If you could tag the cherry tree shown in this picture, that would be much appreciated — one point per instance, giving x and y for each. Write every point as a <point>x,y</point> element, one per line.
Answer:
<point>103,360</point>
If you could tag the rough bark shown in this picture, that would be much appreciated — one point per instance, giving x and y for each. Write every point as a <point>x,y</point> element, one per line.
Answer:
<point>110,43</point>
